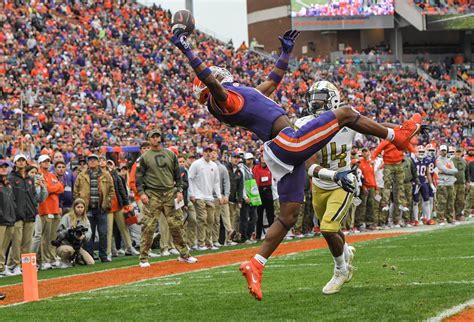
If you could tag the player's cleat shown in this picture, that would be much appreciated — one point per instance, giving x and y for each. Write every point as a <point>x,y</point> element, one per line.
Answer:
<point>351,270</point>
<point>350,258</point>
<point>144,264</point>
<point>187,259</point>
<point>252,271</point>
<point>337,281</point>
<point>349,261</point>
<point>406,131</point>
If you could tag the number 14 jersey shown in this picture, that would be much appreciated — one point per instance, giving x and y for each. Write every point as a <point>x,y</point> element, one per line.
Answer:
<point>336,155</point>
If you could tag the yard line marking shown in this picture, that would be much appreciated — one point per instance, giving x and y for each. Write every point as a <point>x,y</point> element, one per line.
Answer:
<point>414,284</point>
<point>452,311</point>
<point>123,276</point>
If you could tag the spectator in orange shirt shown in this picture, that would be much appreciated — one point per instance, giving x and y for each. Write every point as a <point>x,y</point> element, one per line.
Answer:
<point>365,211</point>
<point>393,175</point>
<point>50,213</point>
<point>145,146</point>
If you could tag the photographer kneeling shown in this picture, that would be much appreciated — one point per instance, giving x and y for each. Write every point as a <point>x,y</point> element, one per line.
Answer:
<point>74,231</point>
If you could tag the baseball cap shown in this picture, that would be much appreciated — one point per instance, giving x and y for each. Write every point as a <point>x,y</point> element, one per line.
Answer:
<point>207,147</point>
<point>43,158</point>
<point>365,149</point>
<point>153,132</point>
<point>4,162</point>
<point>18,157</point>
<point>248,156</point>
<point>452,149</point>
<point>92,156</point>
<point>235,154</point>
<point>443,147</point>
<point>458,149</point>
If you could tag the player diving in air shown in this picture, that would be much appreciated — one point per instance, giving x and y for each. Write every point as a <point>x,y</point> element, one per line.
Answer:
<point>285,149</point>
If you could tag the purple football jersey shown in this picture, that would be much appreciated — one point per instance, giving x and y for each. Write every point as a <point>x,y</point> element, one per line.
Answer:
<point>256,115</point>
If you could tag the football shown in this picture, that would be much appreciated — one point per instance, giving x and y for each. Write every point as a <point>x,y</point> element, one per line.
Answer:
<point>183,19</point>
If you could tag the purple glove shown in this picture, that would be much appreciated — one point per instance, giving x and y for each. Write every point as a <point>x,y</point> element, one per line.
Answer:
<point>288,40</point>
<point>180,41</point>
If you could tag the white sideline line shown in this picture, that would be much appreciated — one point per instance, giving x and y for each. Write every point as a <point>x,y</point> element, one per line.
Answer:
<point>294,254</point>
<point>452,311</point>
<point>121,285</point>
<point>414,284</point>
<point>419,229</point>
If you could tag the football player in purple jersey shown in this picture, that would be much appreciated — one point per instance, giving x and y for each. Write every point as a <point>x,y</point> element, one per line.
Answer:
<point>286,149</point>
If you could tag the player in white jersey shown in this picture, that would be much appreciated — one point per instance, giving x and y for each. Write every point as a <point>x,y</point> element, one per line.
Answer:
<point>330,201</point>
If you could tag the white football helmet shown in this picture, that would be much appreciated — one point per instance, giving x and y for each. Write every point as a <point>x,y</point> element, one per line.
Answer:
<point>431,150</point>
<point>420,152</point>
<point>322,96</point>
<point>199,88</point>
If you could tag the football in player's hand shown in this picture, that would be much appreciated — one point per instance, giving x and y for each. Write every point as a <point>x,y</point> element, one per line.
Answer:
<point>182,22</point>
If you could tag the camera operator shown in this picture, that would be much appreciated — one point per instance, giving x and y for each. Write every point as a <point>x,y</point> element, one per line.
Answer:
<point>74,231</point>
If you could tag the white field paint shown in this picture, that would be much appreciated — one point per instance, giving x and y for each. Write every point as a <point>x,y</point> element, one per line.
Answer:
<point>210,268</point>
<point>452,311</point>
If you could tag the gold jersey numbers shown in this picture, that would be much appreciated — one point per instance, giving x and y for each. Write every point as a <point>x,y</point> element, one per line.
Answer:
<point>331,151</point>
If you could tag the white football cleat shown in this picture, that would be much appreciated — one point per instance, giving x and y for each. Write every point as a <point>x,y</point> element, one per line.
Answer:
<point>350,258</point>
<point>153,255</point>
<point>144,264</point>
<point>173,251</point>
<point>337,281</point>
<point>188,259</point>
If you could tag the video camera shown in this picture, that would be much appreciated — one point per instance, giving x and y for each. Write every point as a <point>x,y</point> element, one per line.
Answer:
<point>73,237</point>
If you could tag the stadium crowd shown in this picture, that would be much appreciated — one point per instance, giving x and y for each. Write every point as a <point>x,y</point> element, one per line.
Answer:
<point>83,81</point>
<point>349,8</point>
<point>439,7</point>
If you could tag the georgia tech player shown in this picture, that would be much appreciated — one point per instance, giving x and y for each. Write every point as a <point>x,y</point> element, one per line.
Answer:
<point>331,202</point>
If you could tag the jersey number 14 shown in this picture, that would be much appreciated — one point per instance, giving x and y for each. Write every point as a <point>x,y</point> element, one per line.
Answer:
<point>334,155</point>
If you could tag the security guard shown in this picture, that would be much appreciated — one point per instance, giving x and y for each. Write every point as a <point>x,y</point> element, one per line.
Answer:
<point>161,190</point>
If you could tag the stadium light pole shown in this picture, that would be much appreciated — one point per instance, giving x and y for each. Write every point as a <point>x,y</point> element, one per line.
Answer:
<point>189,5</point>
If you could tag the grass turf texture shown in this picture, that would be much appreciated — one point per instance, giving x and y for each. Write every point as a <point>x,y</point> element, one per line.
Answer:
<point>450,22</point>
<point>119,262</point>
<point>409,277</point>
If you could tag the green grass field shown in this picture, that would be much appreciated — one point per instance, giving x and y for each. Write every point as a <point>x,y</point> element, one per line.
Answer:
<point>450,22</point>
<point>409,277</point>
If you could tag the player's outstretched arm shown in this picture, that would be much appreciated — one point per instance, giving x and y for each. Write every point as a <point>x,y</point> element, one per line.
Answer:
<point>203,72</point>
<point>276,75</point>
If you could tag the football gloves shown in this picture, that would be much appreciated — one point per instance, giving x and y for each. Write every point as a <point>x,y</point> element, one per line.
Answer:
<point>343,180</point>
<point>180,41</point>
<point>288,40</point>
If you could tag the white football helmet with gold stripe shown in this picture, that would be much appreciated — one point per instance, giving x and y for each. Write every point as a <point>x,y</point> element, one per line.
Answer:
<point>322,96</point>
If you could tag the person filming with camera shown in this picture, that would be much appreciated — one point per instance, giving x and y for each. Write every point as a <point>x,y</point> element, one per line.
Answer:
<point>74,231</point>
